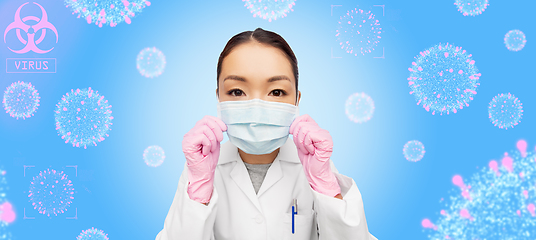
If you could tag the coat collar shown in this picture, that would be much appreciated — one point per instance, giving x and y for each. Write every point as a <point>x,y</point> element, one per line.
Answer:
<point>288,152</point>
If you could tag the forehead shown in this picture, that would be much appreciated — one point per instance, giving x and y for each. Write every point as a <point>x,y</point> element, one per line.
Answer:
<point>254,60</point>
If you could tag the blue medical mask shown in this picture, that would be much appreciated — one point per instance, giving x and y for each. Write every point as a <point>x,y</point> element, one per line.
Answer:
<point>257,126</point>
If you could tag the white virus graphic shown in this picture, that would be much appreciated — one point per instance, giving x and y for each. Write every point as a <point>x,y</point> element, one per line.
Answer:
<point>151,62</point>
<point>92,234</point>
<point>443,78</point>
<point>269,9</point>
<point>495,203</point>
<point>102,12</point>
<point>51,192</point>
<point>505,111</point>
<point>154,156</point>
<point>413,151</point>
<point>21,100</point>
<point>359,107</point>
<point>358,32</point>
<point>471,7</point>
<point>83,117</point>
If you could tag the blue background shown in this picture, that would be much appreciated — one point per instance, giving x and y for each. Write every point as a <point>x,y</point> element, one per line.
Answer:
<point>118,193</point>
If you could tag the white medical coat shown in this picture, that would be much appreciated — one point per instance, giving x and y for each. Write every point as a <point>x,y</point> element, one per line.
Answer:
<point>235,212</point>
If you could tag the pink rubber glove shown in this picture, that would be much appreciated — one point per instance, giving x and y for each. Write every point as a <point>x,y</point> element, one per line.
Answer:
<point>201,147</point>
<point>314,150</point>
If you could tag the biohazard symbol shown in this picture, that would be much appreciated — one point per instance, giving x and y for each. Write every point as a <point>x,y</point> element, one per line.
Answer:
<point>42,24</point>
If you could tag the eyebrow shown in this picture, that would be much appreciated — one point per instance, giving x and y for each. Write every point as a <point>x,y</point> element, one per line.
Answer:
<point>272,79</point>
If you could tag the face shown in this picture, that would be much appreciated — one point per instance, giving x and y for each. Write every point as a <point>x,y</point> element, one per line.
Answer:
<point>253,70</point>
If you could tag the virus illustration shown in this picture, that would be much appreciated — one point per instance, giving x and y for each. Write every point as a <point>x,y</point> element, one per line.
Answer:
<point>358,32</point>
<point>444,78</point>
<point>269,9</point>
<point>495,203</point>
<point>154,156</point>
<point>6,213</point>
<point>471,7</point>
<point>505,111</point>
<point>92,234</point>
<point>3,186</point>
<point>105,12</point>
<point>515,40</point>
<point>4,232</point>
<point>51,193</point>
<point>359,107</point>
<point>21,100</point>
<point>151,62</point>
<point>83,117</point>
<point>413,151</point>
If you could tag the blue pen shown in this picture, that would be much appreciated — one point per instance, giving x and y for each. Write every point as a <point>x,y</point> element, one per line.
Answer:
<point>294,211</point>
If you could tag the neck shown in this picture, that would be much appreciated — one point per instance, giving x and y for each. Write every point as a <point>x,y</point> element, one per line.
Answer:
<point>258,159</point>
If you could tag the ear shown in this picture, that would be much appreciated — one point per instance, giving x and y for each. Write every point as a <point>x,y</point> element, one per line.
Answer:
<point>299,97</point>
<point>217,95</point>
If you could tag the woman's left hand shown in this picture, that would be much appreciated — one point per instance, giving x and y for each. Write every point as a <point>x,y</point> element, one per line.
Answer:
<point>314,150</point>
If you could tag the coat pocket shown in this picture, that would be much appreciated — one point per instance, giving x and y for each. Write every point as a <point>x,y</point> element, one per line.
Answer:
<point>303,226</point>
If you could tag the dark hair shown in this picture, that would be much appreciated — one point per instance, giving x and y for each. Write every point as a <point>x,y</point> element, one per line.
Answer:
<point>262,36</point>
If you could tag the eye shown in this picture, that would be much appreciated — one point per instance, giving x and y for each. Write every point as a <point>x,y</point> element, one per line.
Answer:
<point>235,92</point>
<point>278,92</point>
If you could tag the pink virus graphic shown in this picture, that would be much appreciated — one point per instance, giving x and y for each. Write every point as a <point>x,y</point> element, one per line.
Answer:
<point>21,100</point>
<point>359,107</point>
<point>413,151</point>
<point>51,192</point>
<point>7,215</point>
<point>505,111</point>
<point>443,78</point>
<point>92,234</point>
<point>6,212</point>
<point>515,40</point>
<point>358,32</point>
<point>103,12</point>
<point>151,62</point>
<point>495,203</point>
<point>269,9</point>
<point>154,156</point>
<point>471,7</point>
<point>83,117</point>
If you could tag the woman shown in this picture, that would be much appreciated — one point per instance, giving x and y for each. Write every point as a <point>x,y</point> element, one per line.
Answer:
<point>248,188</point>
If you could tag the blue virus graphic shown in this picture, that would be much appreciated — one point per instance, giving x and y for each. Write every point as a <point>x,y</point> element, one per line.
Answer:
<point>359,107</point>
<point>413,151</point>
<point>505,111</point>
<point>358,32</point>
<point>495,203</point>
<point>21,100</point>
<point>92,234</point>
<point>4,233</point>
<point>154,156</point>
<point>515,40</point>
<point>471,7</point>
<point>269,9</point>
<point>102,12</point>
<point>444,78</point>
<point>151,62</point>
<point>51,193</point>
<point>83,117</point>
<point>3,186</point>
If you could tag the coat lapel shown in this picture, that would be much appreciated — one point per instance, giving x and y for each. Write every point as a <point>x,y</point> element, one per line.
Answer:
<point>273,175</point>
<point>240,176</point>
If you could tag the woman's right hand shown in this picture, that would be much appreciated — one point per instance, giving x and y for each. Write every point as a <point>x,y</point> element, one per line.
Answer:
<point>201,147</point>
